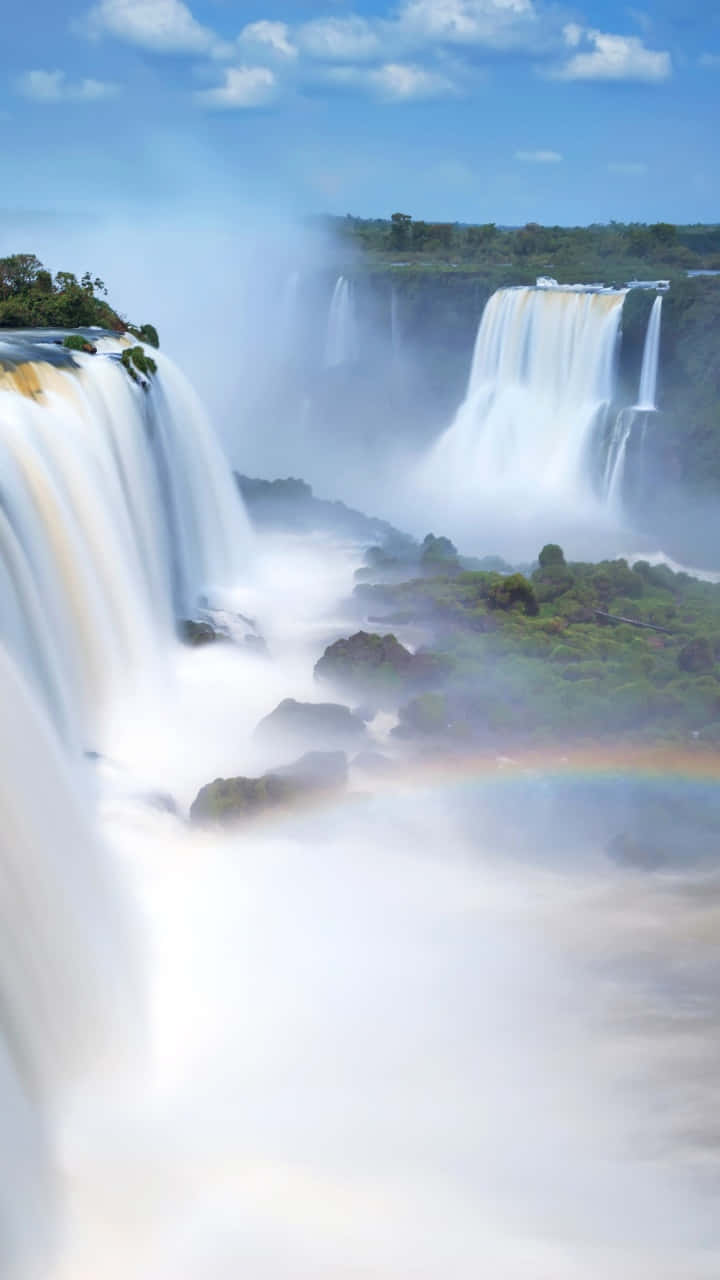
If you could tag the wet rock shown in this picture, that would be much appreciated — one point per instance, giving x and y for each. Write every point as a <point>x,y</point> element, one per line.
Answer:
<point>197,633</point>
<point>229,800</point>
<point>320,724</point>
<point>365,660</point>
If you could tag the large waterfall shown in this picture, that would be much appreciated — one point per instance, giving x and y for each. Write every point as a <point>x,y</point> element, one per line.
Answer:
<point>540,390</point>
<point>117,514</point>
<point>117,511</point>
<point>341,344</point>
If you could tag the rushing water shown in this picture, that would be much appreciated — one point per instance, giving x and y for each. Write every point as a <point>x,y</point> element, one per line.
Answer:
<point>341,344</point>
<point>651,358</point>
<point>117,514</point>
<point>428,1030</point>
<point>541,386</point>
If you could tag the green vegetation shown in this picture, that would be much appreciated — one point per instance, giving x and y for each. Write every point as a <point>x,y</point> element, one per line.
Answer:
<point>613,252</point>
<point>76,342</point>
<point>32,298</point>
<point>135,361</point>
<point>519,657</point>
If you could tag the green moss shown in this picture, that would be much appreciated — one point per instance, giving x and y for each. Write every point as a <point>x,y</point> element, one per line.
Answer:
<point>135,360</point>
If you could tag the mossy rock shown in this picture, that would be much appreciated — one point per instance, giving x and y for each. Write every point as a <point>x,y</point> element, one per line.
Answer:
<point>236,799</point>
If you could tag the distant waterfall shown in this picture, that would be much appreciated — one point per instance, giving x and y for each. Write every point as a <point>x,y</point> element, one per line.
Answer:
<point>541,387</point>
<point>628,419</point>
<point>117,511</point>
<point>341,344</point>
<point>651,358</point>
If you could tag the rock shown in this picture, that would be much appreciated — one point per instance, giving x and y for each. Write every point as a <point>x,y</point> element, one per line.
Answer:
<point>322,724</point>
<point>365,660</point>
<point>196,633</point>
<point>229,799</point>
<point>234,799</point>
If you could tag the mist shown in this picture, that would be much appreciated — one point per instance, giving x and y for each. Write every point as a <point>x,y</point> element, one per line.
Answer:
<point>425,1029</point>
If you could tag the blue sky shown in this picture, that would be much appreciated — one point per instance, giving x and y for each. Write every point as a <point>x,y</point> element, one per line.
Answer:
<point>487,110</point>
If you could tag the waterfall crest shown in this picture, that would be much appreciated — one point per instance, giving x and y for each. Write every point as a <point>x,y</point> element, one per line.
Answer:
<point>117,512</point>
<point>540,390</point>
<point>341,344</point>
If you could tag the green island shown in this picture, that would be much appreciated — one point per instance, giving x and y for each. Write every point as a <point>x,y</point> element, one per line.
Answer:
<point>566,650</point>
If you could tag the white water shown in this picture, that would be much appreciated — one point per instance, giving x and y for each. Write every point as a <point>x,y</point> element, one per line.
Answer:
<point>341,344</point>
<point>651,359</point>
<point>627,418</point>
<point>69,1001</point>
<point>386,1042</point>
<point>541,385</point>
<point>117,513</point>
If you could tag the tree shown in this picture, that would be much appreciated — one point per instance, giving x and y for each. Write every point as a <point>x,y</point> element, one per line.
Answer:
<point>400,225</point>
<point>551,554</point>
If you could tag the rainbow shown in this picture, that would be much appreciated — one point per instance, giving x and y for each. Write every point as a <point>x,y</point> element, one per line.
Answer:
<point>695,765</point>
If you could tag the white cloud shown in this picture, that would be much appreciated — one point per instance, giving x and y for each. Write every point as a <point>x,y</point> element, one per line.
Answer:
<point>272,35</point>
<point>629,168</point>
<point>611,57</point>
<point>401,82</point>
<point>539,157</point>
<point>340,39</point>
<point>496,23</point>
<point>242,88</point>
<point>54,86</point>
<point>162,26</point>
<point>394,81</point>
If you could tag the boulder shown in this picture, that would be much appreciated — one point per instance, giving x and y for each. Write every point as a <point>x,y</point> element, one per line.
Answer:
<point>316,724</point>
<point>237,799</point>
<point>365,661</point>
<point>197,633</point>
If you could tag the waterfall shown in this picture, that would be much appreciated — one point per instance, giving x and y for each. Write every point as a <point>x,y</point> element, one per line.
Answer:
<point>627,418</point>
<point>651,358</point>
<point>68,994</point>
<point>540,390</point>
<point>341,345</point>
<point>117,512</point>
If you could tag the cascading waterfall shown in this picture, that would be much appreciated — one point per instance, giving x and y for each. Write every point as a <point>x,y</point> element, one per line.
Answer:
<point>341,344</point>
<point>646,404</point>
<point>117,512</point>
<point>541,387</point>
<point>651,359</point>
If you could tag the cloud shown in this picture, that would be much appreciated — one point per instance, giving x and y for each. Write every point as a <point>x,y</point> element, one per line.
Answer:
<point>54,86</point>
<point>497,23</point>
<point>242,88</point>
<point>539,157</point>
<point>340,39</point>
<point>162,26</point>
<point>271,35</point>
<point>630,168</point>
<point>401,82</point>
<point>611,57</point>
<point>394,81</point>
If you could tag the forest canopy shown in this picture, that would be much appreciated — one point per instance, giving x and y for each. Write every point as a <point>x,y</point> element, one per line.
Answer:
<point>31,297</point>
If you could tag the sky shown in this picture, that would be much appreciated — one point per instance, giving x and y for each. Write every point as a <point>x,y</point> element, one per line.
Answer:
<point>470,110</point>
